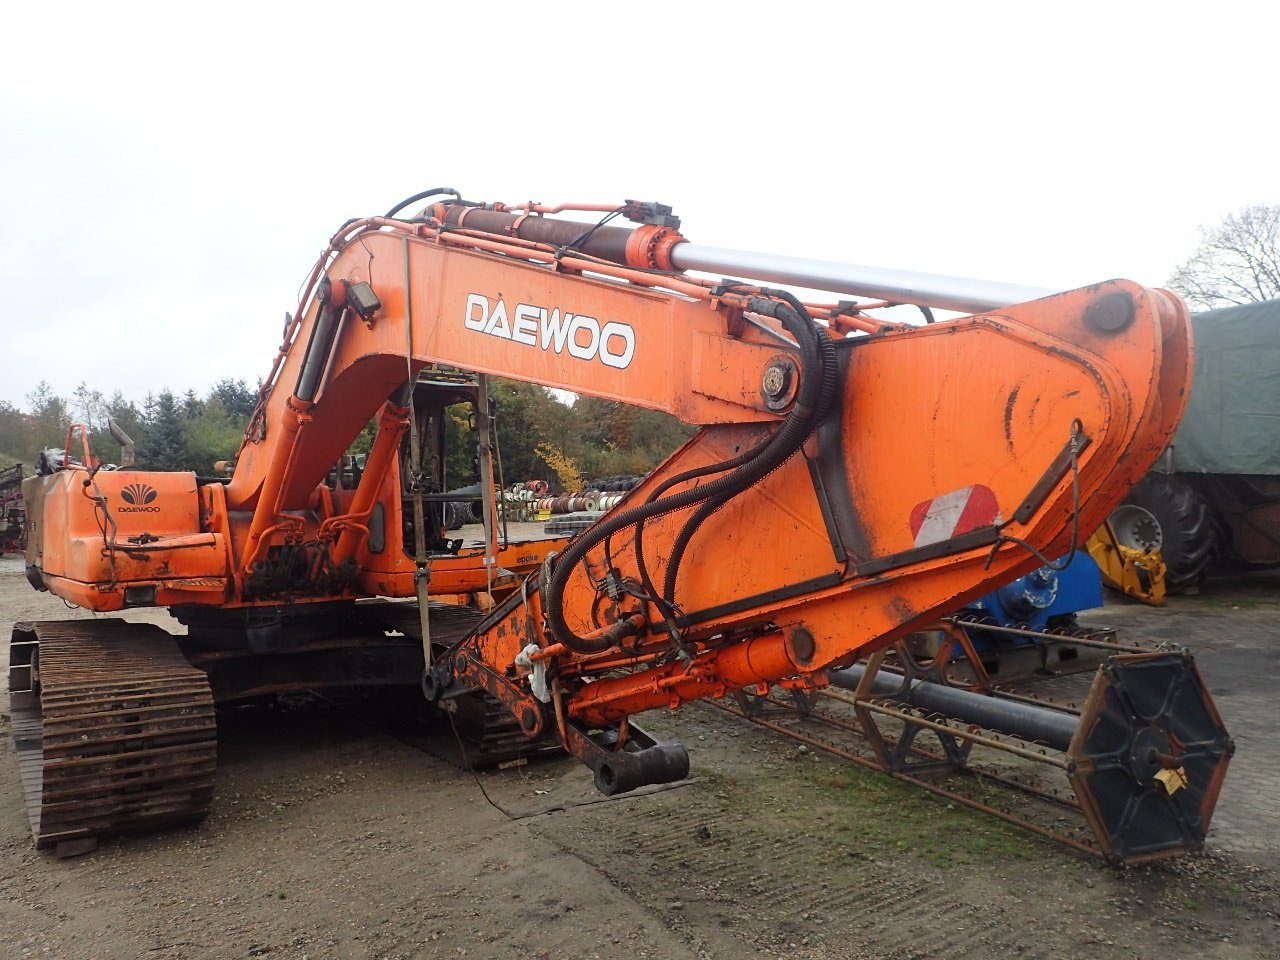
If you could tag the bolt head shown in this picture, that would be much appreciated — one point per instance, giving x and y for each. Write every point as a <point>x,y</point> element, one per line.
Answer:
<point>1111,313</point>
<point>776,380</point>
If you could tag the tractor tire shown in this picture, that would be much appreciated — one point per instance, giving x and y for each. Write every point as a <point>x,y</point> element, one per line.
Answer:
<point>1168,514</point>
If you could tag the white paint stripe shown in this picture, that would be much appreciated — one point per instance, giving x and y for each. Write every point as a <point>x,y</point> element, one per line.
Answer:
<point>944,513</point>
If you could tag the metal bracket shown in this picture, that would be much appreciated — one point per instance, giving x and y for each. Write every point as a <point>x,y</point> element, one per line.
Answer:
<point>622,764</point>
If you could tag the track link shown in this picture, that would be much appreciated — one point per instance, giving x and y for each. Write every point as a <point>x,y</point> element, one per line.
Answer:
<point>114,731</point>
<point>477,733</point>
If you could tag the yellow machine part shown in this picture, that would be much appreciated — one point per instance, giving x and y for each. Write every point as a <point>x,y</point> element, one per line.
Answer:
<point>1135,573</point>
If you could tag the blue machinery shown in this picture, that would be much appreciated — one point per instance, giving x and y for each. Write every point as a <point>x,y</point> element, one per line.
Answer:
<point>1033,611</point>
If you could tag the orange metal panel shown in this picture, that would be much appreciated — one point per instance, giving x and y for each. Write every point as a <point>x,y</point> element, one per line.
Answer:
<point>989,401</point>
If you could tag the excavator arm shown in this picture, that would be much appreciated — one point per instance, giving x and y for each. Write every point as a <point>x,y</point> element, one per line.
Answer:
<point>853,479</point>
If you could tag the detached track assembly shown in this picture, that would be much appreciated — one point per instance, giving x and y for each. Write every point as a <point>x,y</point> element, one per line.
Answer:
<point>114,731</point>
<point>1143,757</point>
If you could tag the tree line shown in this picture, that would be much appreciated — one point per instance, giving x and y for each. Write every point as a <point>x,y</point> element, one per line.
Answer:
<point>542,438</point>
<point>170,431</point>
<point>539,437</point>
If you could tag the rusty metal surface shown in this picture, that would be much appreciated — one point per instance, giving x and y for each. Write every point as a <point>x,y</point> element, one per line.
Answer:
<point>1016,789</point>
<point>114,730</point>
<point>1097,794</point>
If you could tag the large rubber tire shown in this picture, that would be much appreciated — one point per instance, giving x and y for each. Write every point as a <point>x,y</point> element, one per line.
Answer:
<point>1167,513</point>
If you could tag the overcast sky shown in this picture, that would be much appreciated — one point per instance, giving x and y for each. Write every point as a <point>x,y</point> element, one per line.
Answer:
<point>167,176</point>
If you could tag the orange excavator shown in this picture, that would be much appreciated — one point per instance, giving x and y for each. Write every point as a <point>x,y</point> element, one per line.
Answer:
<point>853,478</point>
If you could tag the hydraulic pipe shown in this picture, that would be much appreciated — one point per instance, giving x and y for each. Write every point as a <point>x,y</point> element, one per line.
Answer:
<point>320,346</point>
<point>1022,720</point>
<point>607,243</point>
<point>881,283</point>
<point>485,431</point>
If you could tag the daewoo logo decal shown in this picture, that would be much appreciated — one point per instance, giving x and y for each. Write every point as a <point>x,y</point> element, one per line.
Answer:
<point>582,337</point>
<point>140,495</point>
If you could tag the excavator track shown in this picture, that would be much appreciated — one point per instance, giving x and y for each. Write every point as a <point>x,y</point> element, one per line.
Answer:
<point>482,734</point>
<point>114,731</point>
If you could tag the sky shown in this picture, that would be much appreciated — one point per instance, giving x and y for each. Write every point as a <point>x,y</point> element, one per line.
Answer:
<point>169,172</point>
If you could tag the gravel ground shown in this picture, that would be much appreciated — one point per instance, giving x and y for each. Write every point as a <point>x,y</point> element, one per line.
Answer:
<point>333,836</point>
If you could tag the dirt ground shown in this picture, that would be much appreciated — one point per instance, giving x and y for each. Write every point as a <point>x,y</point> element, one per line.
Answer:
<point>333,836</point>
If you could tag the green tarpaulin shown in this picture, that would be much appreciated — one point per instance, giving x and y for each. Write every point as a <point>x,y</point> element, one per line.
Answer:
<point>1232,423</point>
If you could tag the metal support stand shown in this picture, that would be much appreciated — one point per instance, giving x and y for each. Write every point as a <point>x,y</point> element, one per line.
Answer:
<point>421,562</point>
<point>484,429</point>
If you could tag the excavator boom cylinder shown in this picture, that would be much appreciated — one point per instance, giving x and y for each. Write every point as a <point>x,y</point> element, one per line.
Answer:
<point>660,246</point>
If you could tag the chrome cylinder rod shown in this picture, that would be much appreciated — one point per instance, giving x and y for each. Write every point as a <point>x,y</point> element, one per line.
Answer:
<point>880,283</point>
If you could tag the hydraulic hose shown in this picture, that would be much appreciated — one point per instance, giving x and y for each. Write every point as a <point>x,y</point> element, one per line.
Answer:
<point>824,390</point>
<point>433,192</point>
<point>637,543</point>
<point>818,380</point>
<point>665,600</point>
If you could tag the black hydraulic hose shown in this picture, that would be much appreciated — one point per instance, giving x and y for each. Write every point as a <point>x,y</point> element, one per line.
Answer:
<point>696,472</point>
<point>637,543</point>
<point>433,192</point>
<point>824,390</point>
<point>781,445</point>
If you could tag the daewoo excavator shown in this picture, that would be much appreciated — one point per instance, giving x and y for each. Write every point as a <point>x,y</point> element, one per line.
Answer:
<point>845,488</point>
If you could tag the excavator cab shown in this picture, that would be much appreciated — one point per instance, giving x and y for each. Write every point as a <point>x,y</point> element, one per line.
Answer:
<point>443,401</point>
<point>447,459</point>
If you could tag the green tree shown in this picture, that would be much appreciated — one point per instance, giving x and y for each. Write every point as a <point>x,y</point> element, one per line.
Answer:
<point>623,439</point>
<point>211,434</point>
<point>234,396</point>
<point>127,413</point>
<point>15,436</point>
<point>50,415</point>
<point>527,415</point>
<point>165,447</point>
<point>89,407</point>
<point>460,447</point>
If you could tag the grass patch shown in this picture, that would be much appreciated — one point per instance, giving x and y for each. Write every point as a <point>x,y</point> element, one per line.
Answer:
<point>872,815</point>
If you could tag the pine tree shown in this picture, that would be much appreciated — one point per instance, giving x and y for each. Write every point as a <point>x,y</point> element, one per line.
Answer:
<point>165,447</point>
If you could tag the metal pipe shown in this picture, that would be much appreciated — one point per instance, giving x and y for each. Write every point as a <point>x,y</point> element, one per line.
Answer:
<point>896,286</point>
<point>608,243</point>
<point>484,430</point>
<point>421,561</point>
<point>1041,724</point>
<point>1052,637</point>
